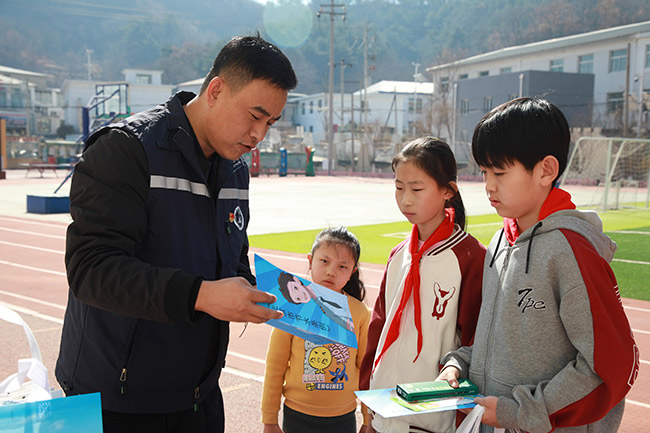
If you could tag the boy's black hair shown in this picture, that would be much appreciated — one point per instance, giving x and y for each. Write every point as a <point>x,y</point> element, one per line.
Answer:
<point>342,236</point>
<point>525,130</point>
<point>435,158</point>
<point>246,58</point>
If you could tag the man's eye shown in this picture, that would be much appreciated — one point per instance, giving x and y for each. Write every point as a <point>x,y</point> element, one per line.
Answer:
<point>254,116</point>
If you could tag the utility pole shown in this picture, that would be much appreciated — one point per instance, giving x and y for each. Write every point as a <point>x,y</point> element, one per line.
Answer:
<point>88,53</point>
<point>363,116</point>
<point>342,64</point>
<point>331,9</point>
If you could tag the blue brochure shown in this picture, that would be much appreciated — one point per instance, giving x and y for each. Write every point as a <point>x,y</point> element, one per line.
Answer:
<point>312,312</point>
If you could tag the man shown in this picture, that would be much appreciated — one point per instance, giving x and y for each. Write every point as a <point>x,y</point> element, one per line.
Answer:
<point>156,255</point>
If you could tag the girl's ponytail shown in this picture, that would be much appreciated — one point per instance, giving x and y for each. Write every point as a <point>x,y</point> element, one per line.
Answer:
<point>456,202</point>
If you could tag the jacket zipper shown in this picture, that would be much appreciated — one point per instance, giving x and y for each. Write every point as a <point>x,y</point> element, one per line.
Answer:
<point>488,357</point>
<point>129,356</point>
<point>196,399</point>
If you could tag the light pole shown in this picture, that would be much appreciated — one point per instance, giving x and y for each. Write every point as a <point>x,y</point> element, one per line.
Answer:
<point>331,10</point>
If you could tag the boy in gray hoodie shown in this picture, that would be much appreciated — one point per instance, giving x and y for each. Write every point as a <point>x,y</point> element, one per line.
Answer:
<point>553,349</point>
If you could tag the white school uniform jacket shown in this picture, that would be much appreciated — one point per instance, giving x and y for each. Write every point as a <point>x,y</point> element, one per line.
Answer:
<point>450,296</point>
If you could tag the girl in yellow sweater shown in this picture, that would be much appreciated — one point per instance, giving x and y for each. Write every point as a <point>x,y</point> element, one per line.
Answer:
<point>318,381</point>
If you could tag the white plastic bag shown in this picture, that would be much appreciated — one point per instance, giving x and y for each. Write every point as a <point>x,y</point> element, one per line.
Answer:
<point>16,388</point>
<point>472,422</point>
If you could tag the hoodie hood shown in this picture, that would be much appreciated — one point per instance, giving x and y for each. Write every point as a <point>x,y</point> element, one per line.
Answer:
<point>559,213</point>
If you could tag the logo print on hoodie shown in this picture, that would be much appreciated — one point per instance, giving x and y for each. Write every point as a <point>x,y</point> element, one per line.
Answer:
<point>442,298</point>
<point>525,302</point>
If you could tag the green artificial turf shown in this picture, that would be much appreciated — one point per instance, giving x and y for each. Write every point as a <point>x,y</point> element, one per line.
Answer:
<point>633,274</point>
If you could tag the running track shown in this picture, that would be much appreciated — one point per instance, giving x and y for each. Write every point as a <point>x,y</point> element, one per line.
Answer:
<point>32,281</point>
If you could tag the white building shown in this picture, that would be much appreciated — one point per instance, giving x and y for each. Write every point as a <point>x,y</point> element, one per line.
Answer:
<point>618,57</point>
<point>143,90</point>
<point>386,107</point>
<point>27,104</point>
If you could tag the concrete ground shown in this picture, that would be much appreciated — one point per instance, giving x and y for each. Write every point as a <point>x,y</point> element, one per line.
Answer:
<point>32,274</point>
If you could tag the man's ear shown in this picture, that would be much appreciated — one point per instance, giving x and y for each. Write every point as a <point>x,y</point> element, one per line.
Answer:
<point>549,169</point>
<point>215,87</point>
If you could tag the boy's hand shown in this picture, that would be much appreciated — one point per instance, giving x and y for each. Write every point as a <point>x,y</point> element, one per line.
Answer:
<point>450,374</point>
<point>367,429</point>
<point>490,414</point>
<point>272,428</point>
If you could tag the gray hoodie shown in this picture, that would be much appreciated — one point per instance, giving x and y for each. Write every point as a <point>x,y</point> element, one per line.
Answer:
<point>550,322</point>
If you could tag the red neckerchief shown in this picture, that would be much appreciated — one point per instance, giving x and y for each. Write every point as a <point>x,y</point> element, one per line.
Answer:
<point>412,283</point>
<point>557,199</point>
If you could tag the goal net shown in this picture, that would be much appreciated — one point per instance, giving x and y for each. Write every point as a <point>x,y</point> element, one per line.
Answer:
<point>608,172</point>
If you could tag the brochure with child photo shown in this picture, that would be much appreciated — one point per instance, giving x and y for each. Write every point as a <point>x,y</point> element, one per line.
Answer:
<point>312,312</point>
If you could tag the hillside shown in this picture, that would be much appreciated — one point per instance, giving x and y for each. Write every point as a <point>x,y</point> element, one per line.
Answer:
<point>181,38</point>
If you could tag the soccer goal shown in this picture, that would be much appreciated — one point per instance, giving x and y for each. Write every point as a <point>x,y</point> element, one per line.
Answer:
<point>609,172</point>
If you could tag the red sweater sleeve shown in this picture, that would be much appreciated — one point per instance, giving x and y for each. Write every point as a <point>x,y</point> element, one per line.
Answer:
<point>471,255</point>
<point>377,321</point>
<point>616,356</point>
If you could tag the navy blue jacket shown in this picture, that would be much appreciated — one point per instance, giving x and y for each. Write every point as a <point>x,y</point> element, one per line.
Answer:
<point>148,226</point>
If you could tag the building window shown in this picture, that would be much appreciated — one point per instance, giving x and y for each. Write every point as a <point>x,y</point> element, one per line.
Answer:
<point>444,84</point>
<point>303,108</point>
<point>462,76</point>
<point>487,104</point>
<point>418,105</point>
<point>142,78</point>
<point>411,104</point>
<point>484,73</point>
<point>507,70</point>
<point>3,97</point>
<point>464,106</point>
<point>586,64</point>
<point>311,107</point>
<point>557,65</point>
<point>17,98</point>
<point>311,128</point>
<point>617,60</point>
<point>647,56</point>
<point>320,103</point>
<point>614,102</point>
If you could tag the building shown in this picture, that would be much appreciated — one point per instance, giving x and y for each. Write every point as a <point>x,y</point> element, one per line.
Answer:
<point>29,107</point>
<point>385,108</point>
<point>616,59</point>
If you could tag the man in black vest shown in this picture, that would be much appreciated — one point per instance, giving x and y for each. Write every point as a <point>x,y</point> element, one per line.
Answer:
<point>157,253</point>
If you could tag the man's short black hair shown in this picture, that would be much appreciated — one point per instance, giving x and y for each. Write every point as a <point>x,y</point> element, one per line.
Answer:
<point>246,58</point>
<point>525,130</point>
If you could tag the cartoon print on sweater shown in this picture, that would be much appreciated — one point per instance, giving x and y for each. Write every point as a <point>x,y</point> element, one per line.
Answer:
<point>442,297</point>
<point>324,367</point>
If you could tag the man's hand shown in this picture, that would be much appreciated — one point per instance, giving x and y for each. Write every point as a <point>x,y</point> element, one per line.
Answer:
<point>490,414</point>
<point>272,428</point>
<point>235,300</point>
<point>450,374</point>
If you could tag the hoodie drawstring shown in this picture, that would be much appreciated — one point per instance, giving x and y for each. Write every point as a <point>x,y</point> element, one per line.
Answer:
<point>497,248</point>
<point>530,243</point>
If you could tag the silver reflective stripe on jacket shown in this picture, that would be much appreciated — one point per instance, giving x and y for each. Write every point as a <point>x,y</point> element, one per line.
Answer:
<point>166,182</point>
